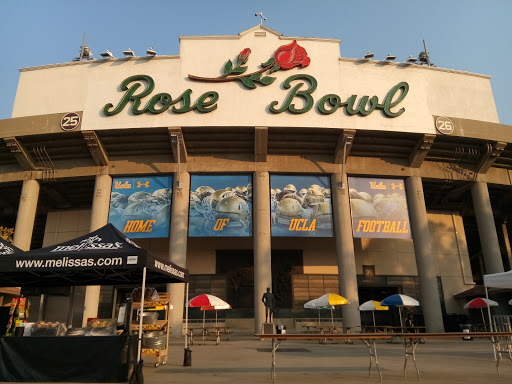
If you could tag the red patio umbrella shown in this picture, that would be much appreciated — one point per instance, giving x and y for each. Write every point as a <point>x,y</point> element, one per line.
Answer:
<point>208,302</point>
<point>481,303</point>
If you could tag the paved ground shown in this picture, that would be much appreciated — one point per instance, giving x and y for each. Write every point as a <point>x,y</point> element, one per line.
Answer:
<point>246,359</point>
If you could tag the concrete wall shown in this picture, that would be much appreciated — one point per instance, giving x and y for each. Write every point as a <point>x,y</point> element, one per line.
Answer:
<point>89,85</point>
<point>453,265</point>
<point>65,225</point>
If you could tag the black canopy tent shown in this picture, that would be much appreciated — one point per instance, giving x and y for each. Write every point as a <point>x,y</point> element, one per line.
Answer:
<point>7,248</point>
<point>102,257</point>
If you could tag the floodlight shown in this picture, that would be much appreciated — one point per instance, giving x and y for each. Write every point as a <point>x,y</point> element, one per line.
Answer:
<point>151,52</point>
<point>423,57</point>
<point>129,53</point>
<point>390,57</point>
<point>411,60</point>
<point>107,55</point>
<point>368,56</point>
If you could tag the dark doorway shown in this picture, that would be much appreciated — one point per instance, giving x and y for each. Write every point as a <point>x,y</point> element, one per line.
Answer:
<point>284,263</point>
<point>238,268</point>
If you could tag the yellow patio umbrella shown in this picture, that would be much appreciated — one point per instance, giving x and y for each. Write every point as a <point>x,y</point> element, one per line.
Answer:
<point>326,301</point>
<point>372,305</point>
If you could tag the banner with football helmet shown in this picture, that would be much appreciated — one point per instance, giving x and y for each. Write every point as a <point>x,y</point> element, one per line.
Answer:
<point>300,206</point>
<point>140,207</point>
<point>220,206</point>
<point>379,208</point>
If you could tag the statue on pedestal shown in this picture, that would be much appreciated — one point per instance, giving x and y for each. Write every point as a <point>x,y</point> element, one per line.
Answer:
<point>269,301</point>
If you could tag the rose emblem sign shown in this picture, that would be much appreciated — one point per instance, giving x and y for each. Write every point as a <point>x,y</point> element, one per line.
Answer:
<point>285,57</point>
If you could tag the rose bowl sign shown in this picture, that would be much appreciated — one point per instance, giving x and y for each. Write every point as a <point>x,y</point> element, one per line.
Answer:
<point>286,57</point>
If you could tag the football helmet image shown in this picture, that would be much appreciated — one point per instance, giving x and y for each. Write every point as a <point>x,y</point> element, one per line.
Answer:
<point>235,209</point>
<point>278,191</point>
<point>118,200</point>
<point>288,209</point>
<point>272,194</point>
<point>204,191</point>
<point>303,192</point>
<point>140,197</point>
<point>314,197</point>
<point>366,197</point>
<point>290,188</point>
<point>362,209</point>
<point>327,193</point>
<point>391,208</point>
<point>138,211</point>
<point>315,186</point>
<point>249,190</point>
<point>163,196</point>
<point>323,216</point>
<point>242,191</point>
<point>195,204</point>
<point>219,195</point>
<point>163,215</point>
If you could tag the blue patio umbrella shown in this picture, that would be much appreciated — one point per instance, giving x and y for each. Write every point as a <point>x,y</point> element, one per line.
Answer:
<point>400,301</point>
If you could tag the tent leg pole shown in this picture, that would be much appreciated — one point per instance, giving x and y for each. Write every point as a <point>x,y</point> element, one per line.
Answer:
<point>186,317</point>
<point>139,348</point>
<point>71,306</point>
<point>488,309</point>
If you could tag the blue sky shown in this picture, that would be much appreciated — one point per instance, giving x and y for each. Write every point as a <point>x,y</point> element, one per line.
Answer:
<point>467,35</point>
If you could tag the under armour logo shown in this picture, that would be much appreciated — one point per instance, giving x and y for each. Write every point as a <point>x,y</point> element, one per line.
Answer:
<point>146,184</point>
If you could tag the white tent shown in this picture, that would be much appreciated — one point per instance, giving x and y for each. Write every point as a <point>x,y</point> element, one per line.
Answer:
<point>497,280</point>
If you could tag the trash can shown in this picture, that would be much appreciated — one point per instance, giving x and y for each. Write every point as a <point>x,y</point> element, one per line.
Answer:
<point>466,328</point>
<point>280,329</point>
<point>187,359</point>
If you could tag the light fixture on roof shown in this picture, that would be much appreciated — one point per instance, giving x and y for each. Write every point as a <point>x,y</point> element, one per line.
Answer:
<point>411,60</point>
<point>390,57</point>
<point>151,52</point>
<point>85,52</point>
<point>129,53</point>
<point>368,55</point>
<point>262,18</point>
<point>423,58</point>
<point>107,54</point>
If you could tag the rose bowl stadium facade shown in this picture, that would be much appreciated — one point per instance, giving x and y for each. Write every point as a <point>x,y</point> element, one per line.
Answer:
<point>261,160</point>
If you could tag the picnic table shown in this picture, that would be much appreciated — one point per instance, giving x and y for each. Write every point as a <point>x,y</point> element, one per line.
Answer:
<point>327,330</point>
<point>208,331</point>
<point>501,343</point>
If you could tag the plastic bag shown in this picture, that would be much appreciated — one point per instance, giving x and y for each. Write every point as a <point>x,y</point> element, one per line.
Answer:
<point>150,294</point>
<point>48,328</point>
<point>101,327</point>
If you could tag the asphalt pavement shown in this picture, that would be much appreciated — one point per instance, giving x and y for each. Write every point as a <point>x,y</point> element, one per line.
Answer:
<point>247,359</point>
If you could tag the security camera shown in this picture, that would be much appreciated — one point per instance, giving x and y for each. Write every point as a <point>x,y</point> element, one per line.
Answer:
<point>264,18</point>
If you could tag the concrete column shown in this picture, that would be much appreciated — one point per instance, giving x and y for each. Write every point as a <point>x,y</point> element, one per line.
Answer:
<point>99,218</point>
<point>26,215</point>
<point>486,228</point>
<point>262,244</point>
<point>178,247</point>
<point>425,259</point>
<point>347,275</point>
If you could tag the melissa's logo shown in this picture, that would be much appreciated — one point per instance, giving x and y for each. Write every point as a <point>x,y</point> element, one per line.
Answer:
<point>5,250</point>
<point>92,242</point>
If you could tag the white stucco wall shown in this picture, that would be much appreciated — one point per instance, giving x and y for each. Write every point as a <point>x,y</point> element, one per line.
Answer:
<point>87,86</point>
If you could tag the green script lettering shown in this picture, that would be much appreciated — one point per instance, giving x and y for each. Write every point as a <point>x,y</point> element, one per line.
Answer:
<point>160,102</point>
